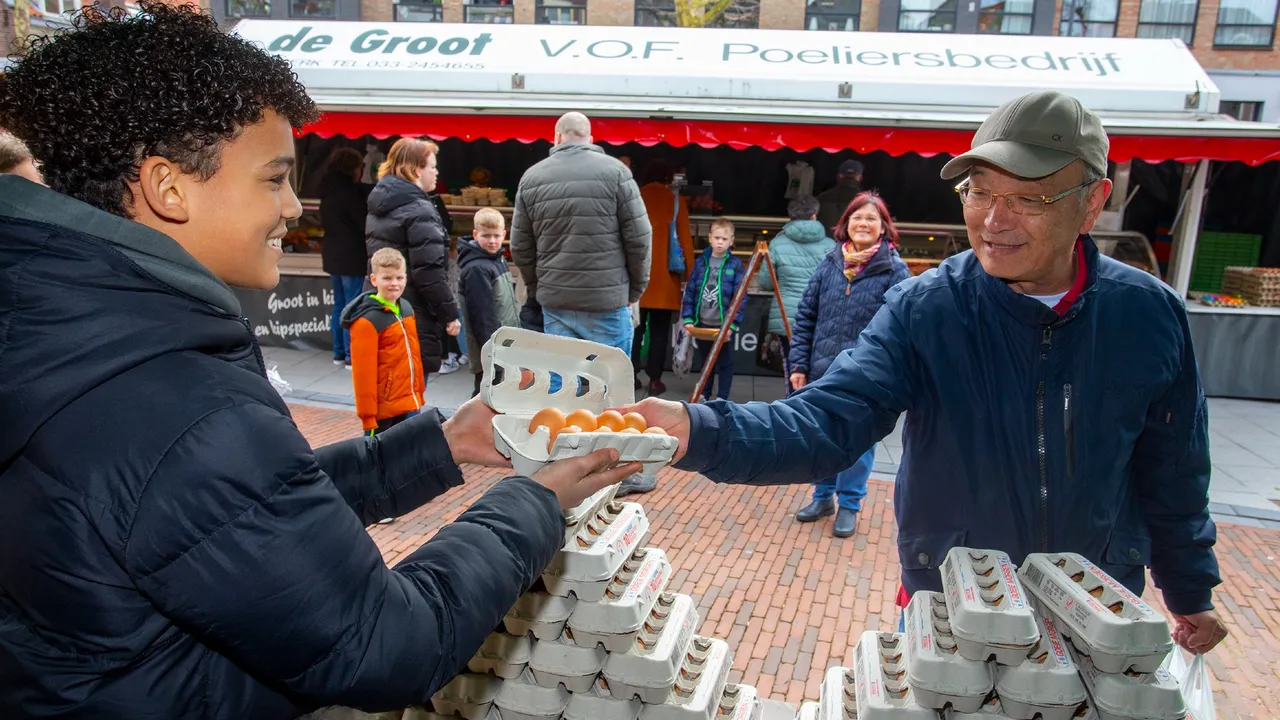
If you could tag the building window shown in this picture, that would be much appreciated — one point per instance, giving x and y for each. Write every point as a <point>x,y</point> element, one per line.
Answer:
<point>927,16</point>
<point>1246,23</point>
<point>1006,17</point>
<point>313,8</point>
<point>419,11</point>
<point>832,14</point>
<point>1241,110</point>
<point>489,11</point>
<point>561,12</point>
<point>1089,18</point>
<point>1168,19</point>
<point>732,14</point>
<point>248,8</point>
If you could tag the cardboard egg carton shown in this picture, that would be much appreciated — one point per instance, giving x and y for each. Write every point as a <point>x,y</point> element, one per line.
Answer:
<point>936,672</point>
<point>587,509</point>
<point>523,698</point>
<point>615,621</point>
<point>650,668</point>
<point>590,560</point>
<point>422,713</point>
<point>880,666</point>
<point>560,662</point>
<point>502,654</point>
<point>519,366</point>
<point>992,709</point>
<point>1131,695</point>
<point>698,690</point>
<point>989,612</point>
<point>838,699</point>
<point>738,702</point>
<point>602,703</point>
<point>539,613</point>
<point>1100,617</point>
<point>810,711</point>
<point>469,696</point>
<point>1047,686</point>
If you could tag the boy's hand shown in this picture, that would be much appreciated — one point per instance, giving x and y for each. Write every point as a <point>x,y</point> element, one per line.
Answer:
<point>470,435</point>
<point>578,478</point>
<point>453,328</point>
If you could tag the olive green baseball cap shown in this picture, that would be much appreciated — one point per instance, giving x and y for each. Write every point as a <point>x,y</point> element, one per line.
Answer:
<point>1035,136</point>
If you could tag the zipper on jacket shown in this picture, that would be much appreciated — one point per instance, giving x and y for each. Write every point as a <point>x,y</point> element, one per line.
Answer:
<point>1070,431</point>
<point>408,350</point>
<point>257,350</point>
<point>1046,343</point>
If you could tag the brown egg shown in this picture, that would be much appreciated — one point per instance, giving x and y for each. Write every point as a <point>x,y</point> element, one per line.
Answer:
<point>584,419</point>
<point>610,420</point>
<point>655,431</point>
<point>557,433</point>
<point>526,378</point>
<point>635,420</point>
<point>551,418</point>
<point>629,431</point>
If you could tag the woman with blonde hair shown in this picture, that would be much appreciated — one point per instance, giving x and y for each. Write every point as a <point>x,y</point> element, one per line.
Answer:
<point>403,216</point>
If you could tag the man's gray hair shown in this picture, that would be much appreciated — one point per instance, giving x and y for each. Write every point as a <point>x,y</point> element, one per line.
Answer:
<point>1091,175</point>
<point>574,125</point>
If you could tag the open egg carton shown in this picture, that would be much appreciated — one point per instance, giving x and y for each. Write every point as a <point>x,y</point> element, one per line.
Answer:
<point>520,368</point>
<point>700,686</point>
<point>988,611</point>
<point>1047,686</point>
<point>594,554</point>
<point>615,621</point>
<point>838,698</point>
<point>1131,695</point>
<point>880,666</point>
<point>1100,617</point>
<point>936,672</point>
<point>648,671</point>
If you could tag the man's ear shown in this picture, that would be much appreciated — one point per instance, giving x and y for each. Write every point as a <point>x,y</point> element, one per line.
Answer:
<point>1097,202</point>
<point>163,189</point>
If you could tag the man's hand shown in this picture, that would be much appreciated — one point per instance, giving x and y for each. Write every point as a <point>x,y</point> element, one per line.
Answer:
<point>453,328</point>
<point>797,380</point>
<point>668,415</point>
<point>470,435</point>
<point>578,478</point>
<point>1199,633</point>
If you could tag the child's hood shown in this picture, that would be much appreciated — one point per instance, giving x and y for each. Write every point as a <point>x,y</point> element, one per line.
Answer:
<point>469,251</point>
<point>366,305</point>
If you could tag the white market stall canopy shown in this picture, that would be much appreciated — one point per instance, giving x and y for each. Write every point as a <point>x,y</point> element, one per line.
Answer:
<point>702,79</point>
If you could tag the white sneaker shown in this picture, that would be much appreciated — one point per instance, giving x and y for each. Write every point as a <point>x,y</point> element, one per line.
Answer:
<point>348,366</point>
<point>386,521</point>
<point>464,360</point>
<point>336,361</point>
<point>449,366</point>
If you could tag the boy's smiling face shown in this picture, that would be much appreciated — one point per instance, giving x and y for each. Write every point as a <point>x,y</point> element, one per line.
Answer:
<point>389,281</point>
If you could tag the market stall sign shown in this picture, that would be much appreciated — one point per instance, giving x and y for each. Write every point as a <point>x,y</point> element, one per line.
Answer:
<point>905,70</point>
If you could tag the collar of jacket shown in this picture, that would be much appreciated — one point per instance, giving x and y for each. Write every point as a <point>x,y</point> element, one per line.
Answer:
<point>576,146</point>
<point>1033,312</point>
<point>156,253</point>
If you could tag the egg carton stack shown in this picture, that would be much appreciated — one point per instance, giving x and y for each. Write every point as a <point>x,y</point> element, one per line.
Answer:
<point>1074,645</point>
<point>599,638</point>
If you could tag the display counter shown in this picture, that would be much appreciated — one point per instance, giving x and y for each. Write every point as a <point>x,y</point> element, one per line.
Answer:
<point>1237,350</point>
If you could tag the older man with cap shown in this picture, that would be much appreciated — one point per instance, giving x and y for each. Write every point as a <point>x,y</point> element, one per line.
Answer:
<point>1051,393</point>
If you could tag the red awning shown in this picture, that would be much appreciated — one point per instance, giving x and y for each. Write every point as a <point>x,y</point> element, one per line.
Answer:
<point>767,135</point>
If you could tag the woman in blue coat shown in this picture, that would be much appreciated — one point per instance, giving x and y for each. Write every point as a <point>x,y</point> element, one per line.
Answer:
<point>844,294</point>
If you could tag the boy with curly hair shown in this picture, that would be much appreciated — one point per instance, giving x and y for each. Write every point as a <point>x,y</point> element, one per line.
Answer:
<point>173,547</point>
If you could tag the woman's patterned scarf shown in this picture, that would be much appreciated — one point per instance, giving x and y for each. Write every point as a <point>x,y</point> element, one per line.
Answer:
<point>855,260</point>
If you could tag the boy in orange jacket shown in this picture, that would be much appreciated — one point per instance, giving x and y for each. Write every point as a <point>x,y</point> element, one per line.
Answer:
<point>387,375</point>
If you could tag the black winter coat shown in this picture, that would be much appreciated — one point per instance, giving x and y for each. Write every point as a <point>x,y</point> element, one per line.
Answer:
<point>403,217</point>
<point>172,546</point>
<point>343,206</point>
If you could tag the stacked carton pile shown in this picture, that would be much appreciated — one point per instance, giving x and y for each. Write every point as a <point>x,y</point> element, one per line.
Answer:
<point>1082,646</point>
<point>1258,286</point>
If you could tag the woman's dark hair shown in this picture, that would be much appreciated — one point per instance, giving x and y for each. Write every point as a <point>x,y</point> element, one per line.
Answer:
<point>345,162</point>
<point>95,101</point>
<point>803,207</point>
<point>657,171</point>
<point>888,230</point>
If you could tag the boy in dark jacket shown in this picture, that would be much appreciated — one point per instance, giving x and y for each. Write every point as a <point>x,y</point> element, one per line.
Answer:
<point>173,546</point>
<point>386,372</point>
<point>488,291</point>
<point>709,295</point>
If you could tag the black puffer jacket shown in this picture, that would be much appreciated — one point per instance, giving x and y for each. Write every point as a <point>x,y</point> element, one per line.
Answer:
<point>172,547</point>
<point>403,217</point>
<point>343,206</point>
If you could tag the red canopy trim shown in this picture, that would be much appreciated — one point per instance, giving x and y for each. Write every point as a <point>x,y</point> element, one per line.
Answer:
<point>766,135</point>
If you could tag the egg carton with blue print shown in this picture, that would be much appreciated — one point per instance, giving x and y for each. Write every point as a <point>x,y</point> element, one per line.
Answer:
<point>592,557</point>
<point>521,369</point>
<point>1048,685</point>
<point>989,612</point>
<point>880,672</point>
<point>616,620</point>
<point>938,675</point>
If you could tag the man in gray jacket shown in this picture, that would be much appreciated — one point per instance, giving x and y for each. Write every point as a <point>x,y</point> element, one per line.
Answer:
<point>580,238</point>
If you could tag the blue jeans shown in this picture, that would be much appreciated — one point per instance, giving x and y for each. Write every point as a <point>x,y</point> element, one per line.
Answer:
<point>849,485</point>
<point>723,378</point>
<point>345,289</point>
<point>611,327</point>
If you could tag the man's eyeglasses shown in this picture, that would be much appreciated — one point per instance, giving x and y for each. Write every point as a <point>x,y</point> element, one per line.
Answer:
<point>1018,204</point>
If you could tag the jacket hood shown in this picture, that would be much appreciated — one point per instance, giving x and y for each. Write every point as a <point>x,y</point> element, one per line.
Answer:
<point>392,193</point>
<point>469,251</point>
<point>365,305</point>
<point>805,232</point>
<point>101,295</point>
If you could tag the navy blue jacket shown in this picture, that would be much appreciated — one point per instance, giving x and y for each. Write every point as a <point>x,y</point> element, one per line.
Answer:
<point>834,311</point>
<point>732,274</point>
<point>173,547</point>
<point>1025,432</point>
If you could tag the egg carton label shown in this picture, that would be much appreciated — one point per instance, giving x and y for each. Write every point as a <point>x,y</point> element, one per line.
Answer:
<point>650,668</point>
<point>883,691</point>
<point>936,673</point>
<point>988,611</point>
<point>617,620</point>
<point>1047,685</point>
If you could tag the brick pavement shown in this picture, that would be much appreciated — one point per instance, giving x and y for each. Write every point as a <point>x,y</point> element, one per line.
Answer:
<point>790,599</point>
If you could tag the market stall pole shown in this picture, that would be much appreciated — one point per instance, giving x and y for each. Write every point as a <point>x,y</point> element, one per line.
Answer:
<point>759,257</point>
